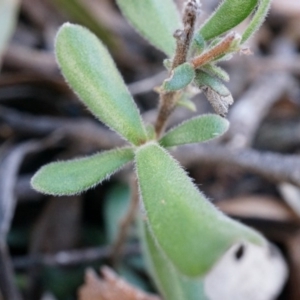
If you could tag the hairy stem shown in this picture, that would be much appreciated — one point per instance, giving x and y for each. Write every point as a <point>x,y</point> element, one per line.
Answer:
<point>221,48</point>
<point>184,38</point>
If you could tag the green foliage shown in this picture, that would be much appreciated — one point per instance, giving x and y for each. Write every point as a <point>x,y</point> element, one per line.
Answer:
<point>8,15</point>
<point>161,22</point>
<point>187,103</point>
<point>78,175</point>
<point>204,79</point>
<point>228,15</point>
<point>171,283</point>
<point>181,77</point>
<point>257,20</point>
<point>198,45</point>
<point>216,71</point>
<point>196,130</point>
<point>91,72</point>
<point>189,229</point>
<point>184,235</point>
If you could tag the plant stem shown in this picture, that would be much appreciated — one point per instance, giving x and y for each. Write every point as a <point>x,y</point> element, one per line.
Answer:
<point>216,51</point>
<point>125,223</point>
<point>184,37</point>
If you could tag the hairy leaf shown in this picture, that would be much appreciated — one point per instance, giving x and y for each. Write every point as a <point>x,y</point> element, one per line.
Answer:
<point>78,175</point>
<point>187,103</point>
<point>91,72</point>
<point>181,77</point>
<point>228,15</point>
<point>216,71</point>
<point>196,130</point>
<point>156,20</point>
<point>198,44</point>
<point>172,284</point>
<point>8,15</point>
<point>204,79</point>
<point>257,20</point>
<point>189,229</point>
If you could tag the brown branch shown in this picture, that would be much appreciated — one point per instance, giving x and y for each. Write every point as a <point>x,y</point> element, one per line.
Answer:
<point>167,104</point>
<point>220,49</point>
<point>184,37</point>
<point>168,100</point>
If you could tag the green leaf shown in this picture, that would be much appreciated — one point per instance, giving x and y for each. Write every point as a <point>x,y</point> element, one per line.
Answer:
<point>91,72</point>
<point>156,20</point>
<point>198,44</point>
<point>180,78</point>
<point>216,71</point>
<point>172,284</point>
<point>203,79</point>
<point>192,233</point>
<point>187,103</point>
<point>78,175</point>
<point>228,15</point>
<point>196,130</point>
<point>8,18</point>
<point>257,20</point>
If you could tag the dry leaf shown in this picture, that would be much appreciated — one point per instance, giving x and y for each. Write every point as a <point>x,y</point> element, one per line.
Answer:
<point>110,287</point>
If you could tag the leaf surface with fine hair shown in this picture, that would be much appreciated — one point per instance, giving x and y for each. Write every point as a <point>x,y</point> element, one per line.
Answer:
<point>192,233</point>
<point>91,72</point>
<point>180,78</point>
<point>78,175</point>
<point>172,284</point>
<point>196,130</point>
<point>204,79</point>
<point>228,15</point>
<point>156,20</point>
<point>257,19</point>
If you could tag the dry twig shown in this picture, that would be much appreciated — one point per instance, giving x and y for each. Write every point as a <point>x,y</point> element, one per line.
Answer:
<point>111,287</point>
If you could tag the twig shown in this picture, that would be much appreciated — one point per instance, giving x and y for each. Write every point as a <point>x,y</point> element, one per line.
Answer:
<point>216,51</point>
<point>8,176</point>
<point>71,258</point>
<point>84,129</point>
<point>168,100</point>
<point>125,223</point>
<point>275,63</point>
<point>146,85</point>
<point>37,61</point>
<point>184,37</point>
<point>246,116</point>
<point>273,166</point>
